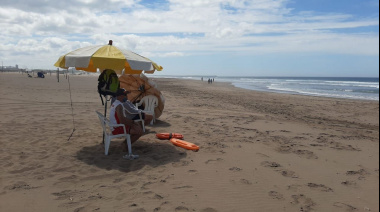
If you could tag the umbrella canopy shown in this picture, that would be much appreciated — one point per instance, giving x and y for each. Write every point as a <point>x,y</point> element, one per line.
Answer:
<point>140,86</point>
<point>108,56</point>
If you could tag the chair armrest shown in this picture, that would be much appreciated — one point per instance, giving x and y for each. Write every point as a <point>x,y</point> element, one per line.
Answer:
<point>148,112</point>
<point>125,110</point>
<point>116,125</point>
<point>119,125</point>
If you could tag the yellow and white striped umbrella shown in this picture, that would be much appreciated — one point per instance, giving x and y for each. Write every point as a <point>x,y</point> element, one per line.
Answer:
<point>108,56</point>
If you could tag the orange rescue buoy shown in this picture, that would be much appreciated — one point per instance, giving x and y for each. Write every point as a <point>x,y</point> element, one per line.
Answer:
<point>168,136</point>
<point>184,144</point>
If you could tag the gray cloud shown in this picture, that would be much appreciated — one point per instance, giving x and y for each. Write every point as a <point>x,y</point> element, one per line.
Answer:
<point>52,28</point>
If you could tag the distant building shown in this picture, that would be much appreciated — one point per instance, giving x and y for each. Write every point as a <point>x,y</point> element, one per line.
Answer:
<point>11,69</point>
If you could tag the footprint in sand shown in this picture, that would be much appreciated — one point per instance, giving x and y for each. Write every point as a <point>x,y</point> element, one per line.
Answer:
<point>349,183</point>
<point>218,145</point>
<point>320,187</point>
<point>26,169</point>
<point>346,207</point>
<point>340,146</point>
<point>209,210</point>
<point>263,155</point>
<point>79,209</point>
<point>213,161</point>
<point>284,172</point>
<point>359,172</point>
<point>246,182</point>
<point>68,178</point>
<point>362,173</point>
<point>276,195</point>
<point>20,186</point>
<point>66,194</point>
<point>181,163</point>
<point>118,180</point>
<point>288,173</point>
<point>181,209</point>
<point>139,210</point>
<point>235,169</point>
<point>159,197</point>
<point>270,164</point>
<point>284,149</point>
<point>183,187</point>
<point>306,154</point>
<point>306,204</point>
<point>192,171</point>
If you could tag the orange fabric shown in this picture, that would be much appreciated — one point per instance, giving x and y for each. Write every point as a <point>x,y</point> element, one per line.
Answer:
<point>133,82</point>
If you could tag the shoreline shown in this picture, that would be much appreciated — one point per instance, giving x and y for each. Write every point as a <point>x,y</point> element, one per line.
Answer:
<point>270,90</point>
<point>85,74</point>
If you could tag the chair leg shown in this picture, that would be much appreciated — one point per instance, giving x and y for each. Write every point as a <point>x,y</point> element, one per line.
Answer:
<point>153,120</point>
<point>143,125</point>
<point>107,143</point>
<point>129,144</point>
<point>130,156</point>
<point>142,122</point>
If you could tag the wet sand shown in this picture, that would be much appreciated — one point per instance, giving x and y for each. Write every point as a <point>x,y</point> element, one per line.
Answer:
<point>259,151</point>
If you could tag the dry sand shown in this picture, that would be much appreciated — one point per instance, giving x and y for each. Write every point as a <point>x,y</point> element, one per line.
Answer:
<point>259,151</point>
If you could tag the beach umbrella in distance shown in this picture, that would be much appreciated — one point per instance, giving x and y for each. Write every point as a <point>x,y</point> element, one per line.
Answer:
<point>108,56</point>
<point>140,86</point>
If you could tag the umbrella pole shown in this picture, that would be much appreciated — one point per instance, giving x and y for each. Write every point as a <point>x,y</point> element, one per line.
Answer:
<point>105,111</point>
<point>105,108</point>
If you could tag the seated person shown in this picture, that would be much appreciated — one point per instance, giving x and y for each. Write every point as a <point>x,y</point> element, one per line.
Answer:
<point>131,109</point>
<point>124,112</point>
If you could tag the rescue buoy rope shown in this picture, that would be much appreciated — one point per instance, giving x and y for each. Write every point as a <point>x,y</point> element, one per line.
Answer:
<point>72,109</point>
<point>141,91</point>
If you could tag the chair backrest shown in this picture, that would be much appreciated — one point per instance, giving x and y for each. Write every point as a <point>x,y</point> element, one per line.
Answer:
<point>149,102</point>
<point>105,123</point>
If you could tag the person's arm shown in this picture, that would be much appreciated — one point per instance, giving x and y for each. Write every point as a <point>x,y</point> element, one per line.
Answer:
<point>122,118</point>
<point>131,108</point>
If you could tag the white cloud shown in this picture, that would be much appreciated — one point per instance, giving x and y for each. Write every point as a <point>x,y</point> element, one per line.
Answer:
<point>52,28</point>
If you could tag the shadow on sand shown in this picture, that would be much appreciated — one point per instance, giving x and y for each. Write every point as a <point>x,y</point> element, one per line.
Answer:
<point>151,154</point>
<point>160,123</point>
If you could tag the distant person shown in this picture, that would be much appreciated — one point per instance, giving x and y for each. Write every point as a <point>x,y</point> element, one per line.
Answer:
<point>40,75</point>
<point>124,112</point>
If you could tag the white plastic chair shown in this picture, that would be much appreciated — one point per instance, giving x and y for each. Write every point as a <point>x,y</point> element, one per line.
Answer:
<point>142,122</point>
<point>108,136</point>
<point>150,102</point>
<point>137,120</point>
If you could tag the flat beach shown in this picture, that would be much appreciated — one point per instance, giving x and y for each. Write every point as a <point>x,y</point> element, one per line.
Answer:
<point>259,152</point>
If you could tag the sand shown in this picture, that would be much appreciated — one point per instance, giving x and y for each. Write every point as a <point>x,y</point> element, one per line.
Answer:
<point>259,151</point>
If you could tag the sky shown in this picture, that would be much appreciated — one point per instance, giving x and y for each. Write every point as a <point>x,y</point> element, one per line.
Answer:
<point>316,38</point>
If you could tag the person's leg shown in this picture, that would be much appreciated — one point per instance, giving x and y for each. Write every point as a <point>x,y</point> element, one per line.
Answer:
<point>148,119</point>
<point>136,132</point>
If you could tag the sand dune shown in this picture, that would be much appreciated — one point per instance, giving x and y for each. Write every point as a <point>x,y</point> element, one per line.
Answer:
<point>259,151</point>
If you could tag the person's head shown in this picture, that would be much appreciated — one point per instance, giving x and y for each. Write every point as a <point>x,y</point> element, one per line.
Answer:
<point>121,95</point>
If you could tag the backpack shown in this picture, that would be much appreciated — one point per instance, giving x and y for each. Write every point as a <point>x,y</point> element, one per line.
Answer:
<point>108,83</point>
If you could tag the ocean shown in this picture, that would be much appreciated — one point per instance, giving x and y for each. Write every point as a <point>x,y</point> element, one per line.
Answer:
<point>334,87</point>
